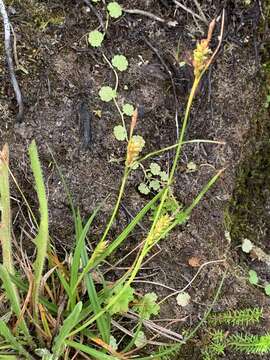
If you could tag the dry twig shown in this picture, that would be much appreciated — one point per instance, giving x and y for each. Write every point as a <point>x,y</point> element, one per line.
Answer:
<point>200,17</point>
<point>8,50</point>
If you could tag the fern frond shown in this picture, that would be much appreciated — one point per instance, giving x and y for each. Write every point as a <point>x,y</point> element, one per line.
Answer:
<point>245,317</point>
<point>252,344</point>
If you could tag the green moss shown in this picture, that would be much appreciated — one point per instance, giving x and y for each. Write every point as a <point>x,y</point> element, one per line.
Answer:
<point>40,14</point>
<point>248,215</point>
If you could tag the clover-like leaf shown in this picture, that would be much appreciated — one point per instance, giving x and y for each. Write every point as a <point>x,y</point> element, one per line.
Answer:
<point>154,184</point>
<point>95,38</point>
<point>120,62</point>
<point>253,277</point>
<point>128,109</point>
<point>106,93</point>
<point>163,176</point>
<point>140,340</point>
<point>115,9</point>
<point>144,189</point>
<point>122,304</point>
<point>147,306</point>
<point>120,133</point>
<point>247,246</point>
<point>267,289</point>
<point>183,299</point>
<point>155,168</point>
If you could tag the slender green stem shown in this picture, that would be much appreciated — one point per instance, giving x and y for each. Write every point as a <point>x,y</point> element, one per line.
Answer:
<point>115,210</point>
<point>116,88</point>
<point>171,147</point>
<point>108,227</point>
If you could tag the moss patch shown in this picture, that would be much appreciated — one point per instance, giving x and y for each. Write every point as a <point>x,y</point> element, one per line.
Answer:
<point>249,210</point>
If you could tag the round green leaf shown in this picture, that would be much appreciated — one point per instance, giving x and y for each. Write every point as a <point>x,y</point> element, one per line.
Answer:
<point>120,133</point>
<point>253,277</point>
<point>247,246</point>
<point>115,10</point>
<point>154,184</point>
<point>155,168</point>
<point>183,299</point>
<point>128,109</point>
<point>163,176</point>
<point>140,339</point>
<point>267,289</point>
<point>95,38</point>
<point>143,189</point>
<point>120,62</point>
<point>106,93</point>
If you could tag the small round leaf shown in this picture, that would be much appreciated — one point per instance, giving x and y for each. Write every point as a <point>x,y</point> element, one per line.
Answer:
<point>154,184</point>
<point>95,38</point>
<point>120,62</point>
<point>267,289</point>
<point>247,246</point>
<point>163,176</point>
<point>155,168</point>
<point>253,277</point>
<point>128,109</point>
<point>143,189</point>
<point>183,299</point>
<point>115,9</point>
<point>140,340</point>
<point>120,133</point>
<point>106,93</point>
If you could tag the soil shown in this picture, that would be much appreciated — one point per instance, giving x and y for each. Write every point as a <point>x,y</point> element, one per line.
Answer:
<point>60,71</point>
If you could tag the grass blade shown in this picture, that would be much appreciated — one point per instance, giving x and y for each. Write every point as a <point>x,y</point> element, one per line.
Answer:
<point>80,245</point>
<point>15,345</point>
<point>42,238</point>
<point>5,238</point>
<point>114,245</point>
<point>5,228</point>
<point>11,293</point>
<point>65,329</point>
<point>90,351</point>
<point>103,322</point>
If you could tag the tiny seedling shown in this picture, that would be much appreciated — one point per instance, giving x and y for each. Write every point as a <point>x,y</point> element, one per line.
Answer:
<point>120,62</point>
<point>183,299</point>
<point>120,133</point>
<point>253,277</point>
<point>247,246</point>
<point>106,93</point>
<point>114,9</point>
<point>95,38</point>
<point>128,109</point>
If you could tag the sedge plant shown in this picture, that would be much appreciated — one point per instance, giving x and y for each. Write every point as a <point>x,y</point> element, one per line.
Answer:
<point>56,308</point>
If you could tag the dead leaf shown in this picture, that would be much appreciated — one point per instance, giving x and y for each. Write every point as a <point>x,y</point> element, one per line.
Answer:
<point>194,261</point>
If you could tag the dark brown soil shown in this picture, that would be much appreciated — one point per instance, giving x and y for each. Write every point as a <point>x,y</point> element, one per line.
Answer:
<point>63,71</point>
